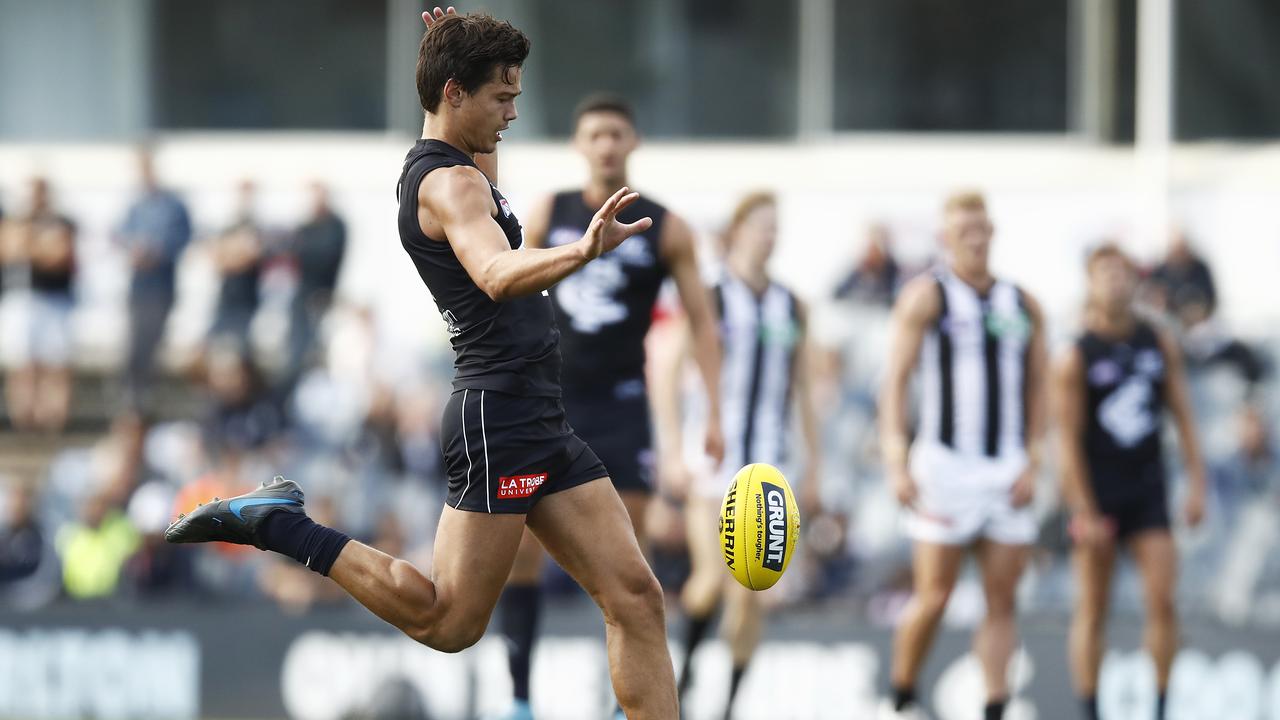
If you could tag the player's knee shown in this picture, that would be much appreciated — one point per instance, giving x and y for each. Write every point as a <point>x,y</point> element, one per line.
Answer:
<point>1161,609</point>
<point>637,598</point>
<point>1001,605</point>
<point>451,638</point>
<point>932,601</point>
<point>1090,619</point>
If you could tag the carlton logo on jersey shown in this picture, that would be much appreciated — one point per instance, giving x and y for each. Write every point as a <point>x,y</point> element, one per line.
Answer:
<point>759,525</point>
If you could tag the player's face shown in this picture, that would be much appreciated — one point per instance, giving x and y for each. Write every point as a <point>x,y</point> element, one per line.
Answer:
<point>757,234</point>
<point>490,109</point>
<point>968,237</point>
<point>605,139</point>
<point>1112,282</point>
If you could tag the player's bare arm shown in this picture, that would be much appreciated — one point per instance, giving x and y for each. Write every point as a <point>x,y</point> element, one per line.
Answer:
<point>664,402</point>
<point>457,203</point>
<point>916,309</point>
<point>802,373</point>
<point>1037,373</point>
<point>1069,410</point>
<point>678,249</point>
<point>1179,401</point>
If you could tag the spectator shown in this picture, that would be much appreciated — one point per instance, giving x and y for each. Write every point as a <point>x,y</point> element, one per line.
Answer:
<point>158,568</point>
<point>41,254</point>
<point>29,575</point>
<point>94,550</point>
<point>243,415</point>
<point>1183,279</point>
<point>320,245</point>
<point>237,254</point>
<point>874,281</point>
<point>22,539</point>
<point>156,230</point>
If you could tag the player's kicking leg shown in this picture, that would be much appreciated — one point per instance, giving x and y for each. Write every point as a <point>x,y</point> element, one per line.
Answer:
<point>586,530</point>
<point>447,611</point>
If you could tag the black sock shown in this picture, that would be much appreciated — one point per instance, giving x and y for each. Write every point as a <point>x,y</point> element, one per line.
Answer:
<point>1160,704</point>
<point>520,607</point>
<point>302,539</point>
<point>903,696</point>
<point>995,709</point>
<point>694,633</point>
<point>734,681</point>
<point>1090,706</point>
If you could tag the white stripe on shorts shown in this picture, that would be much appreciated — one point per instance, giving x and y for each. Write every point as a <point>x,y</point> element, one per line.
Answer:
<point>466,447</point>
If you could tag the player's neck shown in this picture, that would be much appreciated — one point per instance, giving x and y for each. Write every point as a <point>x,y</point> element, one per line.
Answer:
<point>598,190</point>
<point>438,127</point>
<point>751,274</point>
<point>1112,322</point>
<point>979,279</point>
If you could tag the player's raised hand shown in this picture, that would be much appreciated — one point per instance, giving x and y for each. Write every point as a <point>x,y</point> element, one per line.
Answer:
<point>605,232</point>
<point>431,17</point>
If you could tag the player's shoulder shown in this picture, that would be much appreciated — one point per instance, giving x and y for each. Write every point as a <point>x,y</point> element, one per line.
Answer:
<point>457,187</point>
<point>1028,301</point>
<point>920,297</point>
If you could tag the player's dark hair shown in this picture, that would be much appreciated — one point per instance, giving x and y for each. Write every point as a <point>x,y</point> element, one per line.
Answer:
<point>606,103</point>
<point>466,48</point>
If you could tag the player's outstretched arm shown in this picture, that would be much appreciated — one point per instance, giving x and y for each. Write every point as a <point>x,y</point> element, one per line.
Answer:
<point>1068,393</point>
<point>1037,386</point>
<point>679,252</point>
<point>917,308</point>
<point>1179,401</point>
<point>460,200</point>
<point>802,372</point>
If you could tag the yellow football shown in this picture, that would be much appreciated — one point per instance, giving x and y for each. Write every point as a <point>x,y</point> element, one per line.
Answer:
<point>759,524</point>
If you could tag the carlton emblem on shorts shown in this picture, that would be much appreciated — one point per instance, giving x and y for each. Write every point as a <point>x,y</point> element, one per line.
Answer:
<point>519,486</point>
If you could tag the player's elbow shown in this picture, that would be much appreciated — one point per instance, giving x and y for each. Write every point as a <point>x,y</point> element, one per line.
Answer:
<point>496,286</point>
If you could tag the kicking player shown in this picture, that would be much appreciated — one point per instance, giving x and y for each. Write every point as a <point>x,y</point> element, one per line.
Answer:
<point>969,477</point>
<point>603,314</point>
<point>765,354</point>
<point>510,455</point>
<point>1110,392</point>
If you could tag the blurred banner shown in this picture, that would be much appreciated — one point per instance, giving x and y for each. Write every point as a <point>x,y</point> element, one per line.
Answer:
<point>178,662</point>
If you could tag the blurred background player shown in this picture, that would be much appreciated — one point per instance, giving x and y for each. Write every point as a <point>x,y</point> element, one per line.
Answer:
<point>604,313</point>
<point>1111,389</point>
<point>970,474</point>
<point>764,368</point>
<point>39,262</point>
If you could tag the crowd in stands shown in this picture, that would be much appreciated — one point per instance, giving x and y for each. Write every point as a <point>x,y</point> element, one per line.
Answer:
<point>318,405</point>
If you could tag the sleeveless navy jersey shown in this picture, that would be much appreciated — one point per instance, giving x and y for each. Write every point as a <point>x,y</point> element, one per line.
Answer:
<point>1125,401</point>
<point>510,347</point>
<point>604,310</point>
